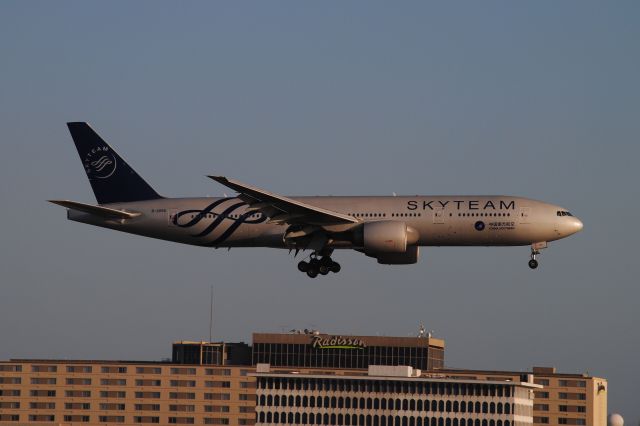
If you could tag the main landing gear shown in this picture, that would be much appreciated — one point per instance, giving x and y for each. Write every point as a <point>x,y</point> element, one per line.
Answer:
<point>535,252</point>
<point>316,266</point>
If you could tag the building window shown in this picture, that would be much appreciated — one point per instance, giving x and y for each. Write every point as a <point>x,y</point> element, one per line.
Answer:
<point>183,370</point>
<point>112,406</point>
<point>217,384</point>
<point>43,393</point>
<point>175,407</point>
<point>183,383</point>
<point>44,368</point>
<point>42,405</point>
<point>146,419</point>
<point>181,420</point>
<point>77,394</point>
<point>73,381</point>
<point>182,395</point>
<point>79,369</point>
<point>9,392</point>
<point>77,406</point>
<point>216,421</point>
<point>148,370</point>
<point>141,395</point>
<point>113,369</point>
<point>115,394</point>
<point>570,421</point>
<point>113,382</point>
<point>11,368</point>
<point>43,381</point>
<point>14,405</point>
<point>147,407</point>
<point>9,417</point>
<point>147,382</point>
<point>219,408</point>
<point>76,418</point>
<point>218,396</point>
<point>573,383</point>
<point>541,420</point>
<point>42,418</point>
<point>577,396</point>
<point>111,419</point>
<point>218,372</point>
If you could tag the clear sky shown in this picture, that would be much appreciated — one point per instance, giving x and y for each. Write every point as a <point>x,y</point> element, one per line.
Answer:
<point>539,99</point>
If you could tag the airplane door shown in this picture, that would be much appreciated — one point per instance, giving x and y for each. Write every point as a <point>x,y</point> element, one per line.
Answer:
<point>525,213</point>
<point>438,216</point>
<point>171,217</point>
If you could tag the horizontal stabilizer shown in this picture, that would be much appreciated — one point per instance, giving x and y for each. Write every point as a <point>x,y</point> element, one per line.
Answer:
<point>96,210</point>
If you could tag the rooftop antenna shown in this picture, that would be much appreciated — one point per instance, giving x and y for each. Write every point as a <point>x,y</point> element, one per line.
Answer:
<point>211,315</point>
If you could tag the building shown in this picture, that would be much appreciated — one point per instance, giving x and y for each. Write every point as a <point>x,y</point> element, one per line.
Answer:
<point>211,353</point>
<point>317,350</point>
<point>52,392</point>
<point>390,396</point>
<point>215,383</point>
<point>565,399</point>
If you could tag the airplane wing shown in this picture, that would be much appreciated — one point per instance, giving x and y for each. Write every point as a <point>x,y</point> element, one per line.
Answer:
<point>105,212</point>
<point>280,209</point>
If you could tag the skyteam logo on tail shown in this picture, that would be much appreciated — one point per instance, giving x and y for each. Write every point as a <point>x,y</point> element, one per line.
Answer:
<point>100,163</point>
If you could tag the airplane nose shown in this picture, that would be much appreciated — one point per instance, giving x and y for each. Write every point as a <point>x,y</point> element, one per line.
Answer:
<point>576,225</point>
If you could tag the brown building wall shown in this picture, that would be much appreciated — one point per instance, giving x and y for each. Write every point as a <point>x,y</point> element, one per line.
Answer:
<point>55,392</point>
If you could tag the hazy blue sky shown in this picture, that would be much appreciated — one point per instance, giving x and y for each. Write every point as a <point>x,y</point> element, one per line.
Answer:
<point>539,99</point>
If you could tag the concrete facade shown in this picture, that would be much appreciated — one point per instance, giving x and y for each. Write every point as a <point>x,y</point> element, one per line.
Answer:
<point>391,399</point>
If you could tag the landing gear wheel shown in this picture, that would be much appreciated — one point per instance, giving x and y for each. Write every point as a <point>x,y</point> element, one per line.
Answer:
<point>533,264</point>
<point>319,265</point>
<point>303,266</point>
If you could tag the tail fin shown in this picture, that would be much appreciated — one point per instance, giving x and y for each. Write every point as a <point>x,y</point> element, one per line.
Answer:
<point>111,178</point>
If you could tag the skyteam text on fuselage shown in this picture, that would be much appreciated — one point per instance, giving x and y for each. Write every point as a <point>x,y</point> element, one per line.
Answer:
<point>390,229</point>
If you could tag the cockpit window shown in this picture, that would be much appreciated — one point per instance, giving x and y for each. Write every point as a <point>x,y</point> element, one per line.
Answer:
<point>563,213</point>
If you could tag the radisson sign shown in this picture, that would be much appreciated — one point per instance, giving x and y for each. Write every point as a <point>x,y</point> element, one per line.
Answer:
<point>337,342</point>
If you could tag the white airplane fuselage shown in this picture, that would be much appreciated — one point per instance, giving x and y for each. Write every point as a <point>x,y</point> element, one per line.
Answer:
<point>439,220</point>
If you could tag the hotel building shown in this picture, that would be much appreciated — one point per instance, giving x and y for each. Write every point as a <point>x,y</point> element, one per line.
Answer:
<point>217,383</point>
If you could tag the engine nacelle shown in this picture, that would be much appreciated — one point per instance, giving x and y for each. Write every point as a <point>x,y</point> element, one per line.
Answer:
<point>407,258</point>
<point>387,236</point>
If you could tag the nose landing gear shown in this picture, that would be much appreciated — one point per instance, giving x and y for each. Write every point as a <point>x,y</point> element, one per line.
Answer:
<point>535,252</point>
<point>316,266</point>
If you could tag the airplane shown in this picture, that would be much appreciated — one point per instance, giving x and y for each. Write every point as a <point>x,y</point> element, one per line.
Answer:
<point>390,229</point>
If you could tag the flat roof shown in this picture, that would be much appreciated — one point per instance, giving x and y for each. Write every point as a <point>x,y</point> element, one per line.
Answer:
<point>306,339</point>
<point>497,372</point>
<point>421,378</point>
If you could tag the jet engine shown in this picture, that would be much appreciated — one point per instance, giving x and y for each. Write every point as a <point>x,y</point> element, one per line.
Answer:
<point>387,236</point>
<point>407,258</point>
